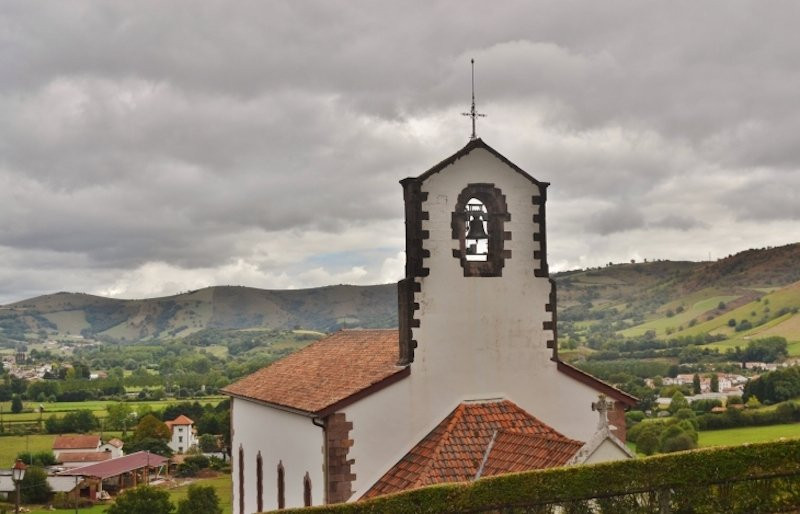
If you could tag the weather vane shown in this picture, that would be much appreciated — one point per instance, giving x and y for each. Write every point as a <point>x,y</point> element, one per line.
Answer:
<point>473,113</point>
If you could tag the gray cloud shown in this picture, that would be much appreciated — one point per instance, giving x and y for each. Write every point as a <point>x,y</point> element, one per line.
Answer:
<point>149,143</point>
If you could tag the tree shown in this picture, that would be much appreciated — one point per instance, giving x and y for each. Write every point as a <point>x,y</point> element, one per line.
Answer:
<point>119,416</point>
<point>696,384</point>
<point>144,499</point>
<point>76,421</point>
<point>16,404</point>
<point>678,402</point>
<point>200,499</point>
<point>150,427</point>
<point>714,383</point>
<point>148,444</point>
<point>647,442</point>
<point>34,487</point>
<point>43,458</point>
<point>208,443</point>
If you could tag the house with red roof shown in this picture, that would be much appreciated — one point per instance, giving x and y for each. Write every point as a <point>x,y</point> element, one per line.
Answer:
<point>469,385</point>
<point>184,435</point>
<point>76,443</point>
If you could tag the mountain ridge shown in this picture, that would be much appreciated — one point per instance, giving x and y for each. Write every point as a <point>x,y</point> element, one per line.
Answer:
<point>638,291</point>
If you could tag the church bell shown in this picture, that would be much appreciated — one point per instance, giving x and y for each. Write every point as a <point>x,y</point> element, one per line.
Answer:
<point>476,230</point>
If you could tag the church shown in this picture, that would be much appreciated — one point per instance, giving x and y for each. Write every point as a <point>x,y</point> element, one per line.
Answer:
<point>470,384</point>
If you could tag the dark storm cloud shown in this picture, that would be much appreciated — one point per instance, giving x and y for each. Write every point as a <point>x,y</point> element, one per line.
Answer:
<point>215,141</point>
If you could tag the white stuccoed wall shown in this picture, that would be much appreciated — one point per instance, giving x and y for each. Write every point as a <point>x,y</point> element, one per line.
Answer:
<point>479,337</point>
<point>280,436</point>
<point>606,452</point>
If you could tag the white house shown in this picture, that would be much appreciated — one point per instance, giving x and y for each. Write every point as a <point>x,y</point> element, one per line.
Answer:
<point>183,434</point>
<point>473,364</point>
<point>113,447</point>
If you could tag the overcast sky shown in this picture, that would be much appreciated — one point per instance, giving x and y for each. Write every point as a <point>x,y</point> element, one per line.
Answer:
<point>148,148</point>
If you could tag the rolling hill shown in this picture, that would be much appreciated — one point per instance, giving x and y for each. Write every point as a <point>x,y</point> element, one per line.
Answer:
<point>667,298</point>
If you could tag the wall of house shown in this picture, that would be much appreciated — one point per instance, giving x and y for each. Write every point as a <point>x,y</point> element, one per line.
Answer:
<point>78,450</point>
<point>182,438</point>
<point>478,337</point>
<point>113,450</point>
<point>280,437</point>
<point>606,452</point>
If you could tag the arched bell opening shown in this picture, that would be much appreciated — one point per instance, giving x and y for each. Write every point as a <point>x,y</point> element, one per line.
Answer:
<point>477,222</point>
<point>476,231</point>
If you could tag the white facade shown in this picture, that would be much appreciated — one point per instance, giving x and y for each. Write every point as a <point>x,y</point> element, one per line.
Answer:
<point>281,437</point>
<point>183,437</point>
<point>115,451</point>
<point>478,338</point>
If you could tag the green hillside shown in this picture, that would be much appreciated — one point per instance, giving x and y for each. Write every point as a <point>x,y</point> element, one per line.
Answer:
<point>72,315</point>
<point>661,299</point>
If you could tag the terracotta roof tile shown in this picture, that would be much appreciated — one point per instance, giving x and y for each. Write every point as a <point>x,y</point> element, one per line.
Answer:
<point>325,372</point>
<point>514,452</point>
<point>180,420</point>
<point>84,456</point>
<point>455,449</point>
<point>74,442</point>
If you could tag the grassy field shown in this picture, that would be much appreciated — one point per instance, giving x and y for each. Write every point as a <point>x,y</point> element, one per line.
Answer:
<point>691,311</point>
<point>736,436</point>
<point>98,407</point>
<point>221,484</point>
<point>10,446</point>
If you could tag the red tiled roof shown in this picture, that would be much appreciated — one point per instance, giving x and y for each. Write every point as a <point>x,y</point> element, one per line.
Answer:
<point>84,456</point>
<point>514,452</point>
<point>74,442</point>
<point>327,373</point>
<point>180,420</point>
<point>118,466</point>
<point>455,449</point>
<point>116,443</point>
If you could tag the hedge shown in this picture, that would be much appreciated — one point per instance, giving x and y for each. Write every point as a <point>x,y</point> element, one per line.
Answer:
<point>752,478</point>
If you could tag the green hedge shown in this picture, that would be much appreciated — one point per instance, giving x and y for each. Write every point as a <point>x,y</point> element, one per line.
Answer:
<point>751,478</point>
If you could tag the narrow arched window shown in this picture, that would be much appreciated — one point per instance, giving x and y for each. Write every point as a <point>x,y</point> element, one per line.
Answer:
<point>307,490</point>
<point>241,479</point>
<point>477,224</point>
<point>259,483</point>
<point>281,486</point>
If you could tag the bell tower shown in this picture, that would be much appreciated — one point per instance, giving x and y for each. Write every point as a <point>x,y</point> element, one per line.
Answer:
<point>476,258</point>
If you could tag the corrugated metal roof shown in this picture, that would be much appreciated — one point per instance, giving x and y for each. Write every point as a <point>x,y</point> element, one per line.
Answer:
<point>118,466</point>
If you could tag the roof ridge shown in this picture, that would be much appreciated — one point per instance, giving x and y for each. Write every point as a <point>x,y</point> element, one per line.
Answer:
<point>456,414</point>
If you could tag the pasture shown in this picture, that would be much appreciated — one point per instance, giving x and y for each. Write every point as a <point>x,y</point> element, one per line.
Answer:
<point>744,435</point>
<point>98,407</point>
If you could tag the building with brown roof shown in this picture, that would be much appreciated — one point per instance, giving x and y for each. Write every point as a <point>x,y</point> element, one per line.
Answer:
<point>77,459</point>
<point>469,385</point>
<point>63,445</point>
<point>183,434</point>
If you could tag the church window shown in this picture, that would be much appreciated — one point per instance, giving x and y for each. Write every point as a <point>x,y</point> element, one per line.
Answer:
<point>281,486</point>
<point>259,483</point>
<point>241,480</point>
<point>307,490</point>
<point>477,224</point>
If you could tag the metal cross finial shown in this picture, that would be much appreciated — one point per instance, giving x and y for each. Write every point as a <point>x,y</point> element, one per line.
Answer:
<point>473,113</point>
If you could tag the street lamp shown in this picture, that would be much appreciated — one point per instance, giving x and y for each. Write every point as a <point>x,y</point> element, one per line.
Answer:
<point>17,474</point>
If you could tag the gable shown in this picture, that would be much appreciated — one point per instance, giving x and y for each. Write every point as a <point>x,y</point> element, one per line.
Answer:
<point>473,145</point>
<point>476,439</point>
